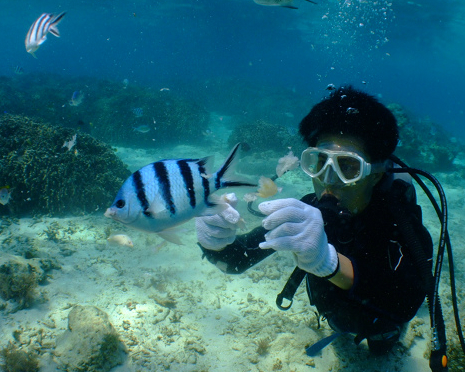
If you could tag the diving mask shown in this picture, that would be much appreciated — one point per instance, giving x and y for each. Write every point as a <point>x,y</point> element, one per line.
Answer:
<point>349,167</point>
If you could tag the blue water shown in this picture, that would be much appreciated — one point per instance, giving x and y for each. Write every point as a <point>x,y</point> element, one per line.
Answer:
<point>410,52</point>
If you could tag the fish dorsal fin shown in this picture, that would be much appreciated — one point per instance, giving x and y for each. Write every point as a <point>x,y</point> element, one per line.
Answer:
<point>207,164</point>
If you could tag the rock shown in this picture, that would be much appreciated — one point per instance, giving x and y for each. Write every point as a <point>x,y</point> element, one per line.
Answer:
<point>91,343</point>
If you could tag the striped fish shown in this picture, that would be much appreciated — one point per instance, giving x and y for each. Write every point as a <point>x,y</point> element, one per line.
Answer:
<point>37,34</point>
<point>167,193</point>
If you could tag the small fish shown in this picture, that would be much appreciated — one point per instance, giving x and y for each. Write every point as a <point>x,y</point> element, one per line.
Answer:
<point>76,98</point>
<point>208,133</point>
<point>5,195</point>
<point>164,89</point>
<point>18,70</point>
<point>120,239</point>
<point>138,112</point>
<point>71,143</point>
<point>37,34</point>
<point>167,193</point>
<point>330,87</point>
<point>142,128</point>
<point>283,3</point>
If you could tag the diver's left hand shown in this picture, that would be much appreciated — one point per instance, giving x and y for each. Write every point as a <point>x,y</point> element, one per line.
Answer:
<point>298,227</point>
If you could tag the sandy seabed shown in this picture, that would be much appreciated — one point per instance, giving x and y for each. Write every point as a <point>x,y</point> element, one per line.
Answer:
<point>175,311</point>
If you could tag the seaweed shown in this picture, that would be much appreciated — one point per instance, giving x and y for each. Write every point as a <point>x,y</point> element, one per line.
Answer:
<point>17,360</point>
<point>263,346</point>
<point>110,346</point>
<point>18,285</point>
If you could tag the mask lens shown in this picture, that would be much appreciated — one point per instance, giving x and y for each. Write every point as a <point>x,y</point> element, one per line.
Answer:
<point>349,166</point>
<point>316,161</point>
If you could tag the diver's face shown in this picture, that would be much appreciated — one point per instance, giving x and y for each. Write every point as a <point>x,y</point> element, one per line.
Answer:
<point>355,197</point>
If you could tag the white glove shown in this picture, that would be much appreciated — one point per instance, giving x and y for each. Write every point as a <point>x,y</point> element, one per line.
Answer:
<point>298,227</point>
<point>217,231</point>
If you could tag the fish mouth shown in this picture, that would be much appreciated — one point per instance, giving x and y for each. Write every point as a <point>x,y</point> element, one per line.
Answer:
<point>110,213</point>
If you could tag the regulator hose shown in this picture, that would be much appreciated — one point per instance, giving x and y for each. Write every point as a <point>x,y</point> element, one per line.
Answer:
<point>438,358</point>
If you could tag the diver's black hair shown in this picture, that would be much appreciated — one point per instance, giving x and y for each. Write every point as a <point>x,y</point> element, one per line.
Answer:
<point>348,111</point>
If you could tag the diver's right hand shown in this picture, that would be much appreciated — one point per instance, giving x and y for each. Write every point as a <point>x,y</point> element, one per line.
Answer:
<point>217,231</point>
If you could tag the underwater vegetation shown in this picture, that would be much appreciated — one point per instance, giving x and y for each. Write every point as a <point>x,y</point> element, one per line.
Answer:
<point>110,111</point>
<point>52,170</point>
<point>17,360</point>
<point>263,346</point>
<point>18,280</point>
<point>424,144</point>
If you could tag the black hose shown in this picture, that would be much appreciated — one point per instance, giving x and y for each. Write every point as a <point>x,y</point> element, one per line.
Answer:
<point>438,361</point>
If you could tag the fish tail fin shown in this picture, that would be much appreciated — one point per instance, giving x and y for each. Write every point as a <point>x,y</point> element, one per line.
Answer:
<point>290,5</point>
<point>224,176</point>
<point>53,25</point>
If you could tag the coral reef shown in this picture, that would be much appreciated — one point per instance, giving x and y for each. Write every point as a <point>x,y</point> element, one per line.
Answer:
<point>48,178</point>
<point>423,143</point>
<point>109,111</point>
<point>261,136</point>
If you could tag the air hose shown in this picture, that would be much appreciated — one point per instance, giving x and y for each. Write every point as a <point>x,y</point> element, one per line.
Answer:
<point>438,358</point>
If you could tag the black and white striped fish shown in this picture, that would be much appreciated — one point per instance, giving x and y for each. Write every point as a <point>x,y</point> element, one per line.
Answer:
<point>37,34</point>
<point>167,193</point>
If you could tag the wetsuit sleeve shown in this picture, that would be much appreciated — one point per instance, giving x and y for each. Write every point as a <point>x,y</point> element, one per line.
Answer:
<point>240,255</point>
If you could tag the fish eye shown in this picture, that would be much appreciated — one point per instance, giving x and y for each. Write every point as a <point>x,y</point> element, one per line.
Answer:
<point>120,203</point>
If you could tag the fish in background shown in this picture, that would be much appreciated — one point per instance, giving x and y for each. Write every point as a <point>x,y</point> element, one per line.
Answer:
<point>282,3</point>
<point>5,195</point>
<point>138,112</point>
<point>17,70</point>
<point>167,193</point>
<point>37,34</point>
<point>76,98</point>
<point>71,143</point>
<point>121,240</point>
<point>141,128</point>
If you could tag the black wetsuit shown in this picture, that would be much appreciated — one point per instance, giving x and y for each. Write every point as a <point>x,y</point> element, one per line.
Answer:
<point>388,288</point>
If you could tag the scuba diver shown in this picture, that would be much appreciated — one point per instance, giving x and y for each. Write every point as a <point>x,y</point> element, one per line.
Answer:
<point>358,240</point>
